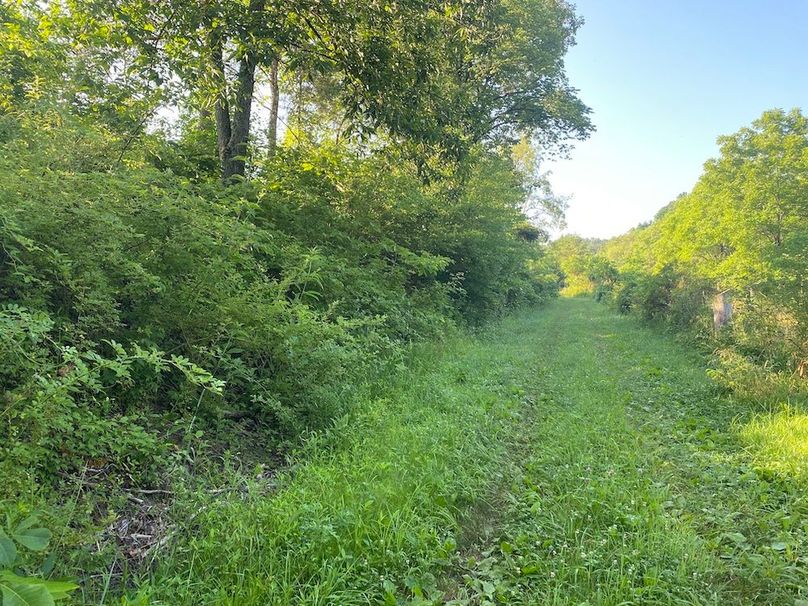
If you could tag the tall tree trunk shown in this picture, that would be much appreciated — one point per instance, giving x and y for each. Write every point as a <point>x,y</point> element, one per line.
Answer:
<point>274,91</point>
<point>233,131</point>
<point>234,163</point>
<point>221,108</point>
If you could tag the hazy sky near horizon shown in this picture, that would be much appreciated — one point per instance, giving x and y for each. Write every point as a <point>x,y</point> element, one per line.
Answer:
<point>664,79</point>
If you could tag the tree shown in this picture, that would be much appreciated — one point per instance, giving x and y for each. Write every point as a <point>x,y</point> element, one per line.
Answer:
<point>741,233</point>
<point>575,256</point>
<point>441,76</point>
<point>233,123</point>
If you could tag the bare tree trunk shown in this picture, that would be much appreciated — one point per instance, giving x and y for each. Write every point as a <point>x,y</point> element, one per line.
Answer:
<point>221,108</point>
<point>223,132</point>
<point>722,310</point>
<point>274,91</point>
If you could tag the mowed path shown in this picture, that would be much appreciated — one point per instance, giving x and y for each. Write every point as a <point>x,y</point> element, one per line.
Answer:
<point>635,488</point>
<point>567,455</point>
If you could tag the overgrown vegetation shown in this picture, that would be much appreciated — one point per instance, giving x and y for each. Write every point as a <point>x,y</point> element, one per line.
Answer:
<point>255,263</point>
<point>490,471</point>
<point>26,535</point>
<point>191,285</point>
<point>576,257</point>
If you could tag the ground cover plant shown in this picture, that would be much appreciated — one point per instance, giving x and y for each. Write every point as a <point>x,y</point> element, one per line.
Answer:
<point>647,483</point>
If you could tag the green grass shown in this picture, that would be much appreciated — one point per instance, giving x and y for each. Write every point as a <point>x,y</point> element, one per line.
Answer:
<point>641,487</point>
<point>370,509</point>
<point>779,441</point>
<point>565,456</point>
<point>589,521</point>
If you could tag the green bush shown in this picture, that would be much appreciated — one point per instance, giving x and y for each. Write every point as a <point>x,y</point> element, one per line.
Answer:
<point>290,291</point>
<point>64,407</point>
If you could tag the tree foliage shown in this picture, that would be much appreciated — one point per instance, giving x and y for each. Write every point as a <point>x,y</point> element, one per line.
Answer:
<point>437,78</point>
<point>576,256</point>
<point>741,231</point>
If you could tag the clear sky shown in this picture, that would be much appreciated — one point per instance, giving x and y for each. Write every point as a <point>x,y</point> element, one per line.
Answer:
<point>664,78</point>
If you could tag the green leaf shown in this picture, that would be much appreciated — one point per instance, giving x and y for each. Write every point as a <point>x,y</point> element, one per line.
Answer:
<point>489,589</point>
<point>25,595</point>
<point>57,589</point>
<point>779,546</point>
<point>8,552</point>
<point>736,537</point>
<point>389,593</point>
<point>47,565</point>
<point>35,539</point>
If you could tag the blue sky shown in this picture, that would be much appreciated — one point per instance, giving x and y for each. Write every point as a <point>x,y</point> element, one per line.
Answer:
<point>664,79</point>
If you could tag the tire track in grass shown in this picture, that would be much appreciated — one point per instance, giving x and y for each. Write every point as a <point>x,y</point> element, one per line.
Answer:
<point>572,455</point>
<point>371,510</point>
<point>588,523</point>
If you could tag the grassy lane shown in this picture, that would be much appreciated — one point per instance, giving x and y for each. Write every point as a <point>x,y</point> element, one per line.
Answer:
<point>567,456</point>
<point>644,486</point>
<point>370,511</point>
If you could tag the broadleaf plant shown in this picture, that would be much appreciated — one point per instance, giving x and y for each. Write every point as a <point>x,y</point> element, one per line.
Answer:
<point>18,590</point>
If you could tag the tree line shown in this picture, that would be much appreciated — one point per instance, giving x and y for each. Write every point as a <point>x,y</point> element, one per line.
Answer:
<point>434,78</point>
<point>728,261</point>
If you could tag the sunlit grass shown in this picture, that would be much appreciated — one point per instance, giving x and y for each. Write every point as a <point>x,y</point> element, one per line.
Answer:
<point>567,456</point>
<point>369,511</point>
<point>779,441</point>
<point>576,286</point>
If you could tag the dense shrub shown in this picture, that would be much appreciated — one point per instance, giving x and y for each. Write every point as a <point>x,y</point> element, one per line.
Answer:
<point>583,271</point>
<point>288,290</point>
